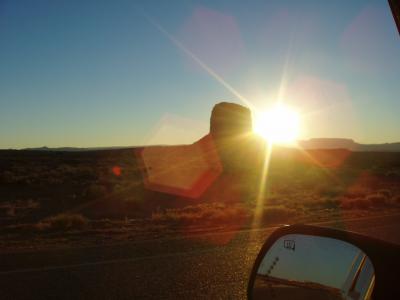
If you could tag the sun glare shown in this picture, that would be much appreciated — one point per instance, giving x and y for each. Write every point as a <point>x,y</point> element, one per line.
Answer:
<point>280,125</point>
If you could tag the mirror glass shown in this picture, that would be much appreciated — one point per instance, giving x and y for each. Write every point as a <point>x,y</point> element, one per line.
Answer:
<point>312,267</point>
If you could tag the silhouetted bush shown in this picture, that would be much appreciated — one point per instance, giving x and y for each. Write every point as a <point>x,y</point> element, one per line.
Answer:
<point>358,192</point>
<point>63,222</point>
<point>330,191</point>
<point>274,200</point>
<point>385,192</point>
<point>396,199</point>
<point>377,200</point>
<point>275,214</point>
<point>358,203</point>
<point>331,203</point>
<point>200,214</point>
<point>96,191</point>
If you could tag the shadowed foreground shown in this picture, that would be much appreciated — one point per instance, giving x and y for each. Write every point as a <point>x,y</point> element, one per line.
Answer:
<point>195,267</point>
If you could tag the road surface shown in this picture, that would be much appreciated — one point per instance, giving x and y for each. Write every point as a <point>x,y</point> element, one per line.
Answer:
<point>207,266</point>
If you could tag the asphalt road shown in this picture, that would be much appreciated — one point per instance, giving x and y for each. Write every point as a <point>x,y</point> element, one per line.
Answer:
<point>207,266</point>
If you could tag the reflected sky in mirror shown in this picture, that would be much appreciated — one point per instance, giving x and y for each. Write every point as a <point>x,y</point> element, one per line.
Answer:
<point>308,258</point>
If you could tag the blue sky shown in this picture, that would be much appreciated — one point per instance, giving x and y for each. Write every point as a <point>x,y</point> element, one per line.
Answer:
<point>320,260</point>
<point>100,73</point>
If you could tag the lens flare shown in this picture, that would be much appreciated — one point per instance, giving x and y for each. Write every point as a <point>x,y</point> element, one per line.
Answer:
<point>279,125</point>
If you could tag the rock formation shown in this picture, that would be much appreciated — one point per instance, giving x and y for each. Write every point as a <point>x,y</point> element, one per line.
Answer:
<point>231,131</point>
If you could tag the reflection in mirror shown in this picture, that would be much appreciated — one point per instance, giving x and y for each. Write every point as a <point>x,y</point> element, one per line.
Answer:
<point>311,267</point>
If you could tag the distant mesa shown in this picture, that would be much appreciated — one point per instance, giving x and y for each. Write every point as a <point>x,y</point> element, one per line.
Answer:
<point>76,149</point>
<point>349,144</point>
<point>328,143</point>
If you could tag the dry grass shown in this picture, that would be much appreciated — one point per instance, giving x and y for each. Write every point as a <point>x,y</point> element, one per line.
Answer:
<point>357,203</point>
<point>377,200</point>
<point>221,214</point>
<point>380,199</point>
<point>277,214</point>
<point>64,222</point>
<point>202,214</point>
<point>396,200</point>
<point>18,207</point>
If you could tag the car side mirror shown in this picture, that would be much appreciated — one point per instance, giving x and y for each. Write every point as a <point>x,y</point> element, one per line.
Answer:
<point>308,262</point>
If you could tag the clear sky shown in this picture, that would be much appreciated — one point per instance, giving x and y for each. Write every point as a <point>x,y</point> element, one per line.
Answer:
<point>105,73</point>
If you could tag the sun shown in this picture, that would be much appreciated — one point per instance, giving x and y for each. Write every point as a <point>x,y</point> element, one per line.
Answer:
<point>279,125</point>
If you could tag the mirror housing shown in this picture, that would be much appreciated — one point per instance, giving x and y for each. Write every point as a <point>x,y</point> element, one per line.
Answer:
<point>383,256</point>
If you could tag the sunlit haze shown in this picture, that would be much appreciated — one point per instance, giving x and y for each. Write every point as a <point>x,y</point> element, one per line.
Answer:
<point>280,124</point>
<point>100,73</point>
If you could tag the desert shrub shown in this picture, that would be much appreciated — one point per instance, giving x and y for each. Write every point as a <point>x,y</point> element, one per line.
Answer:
<point>63,222</point>
<point>275,214</point>
<point>9,177</point>
<point>330,191</point>
<point>357,203</point>
<point>361,203</point>
<point>392,174</point>
<point>377,200</point>
<point>6,177</point>
<point>96,191</point>
<point>54,180</point>
<point>396,199</point>
<point>385,192</point>
<point>298,206</point>
<point>346,204</point>
<point>356,192</point>
<point>321,203</point>
<point>200,214</point>
<point>16,207</point>
<point>273,200</point>
<point>11,212</point>
<point>330,203</point>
